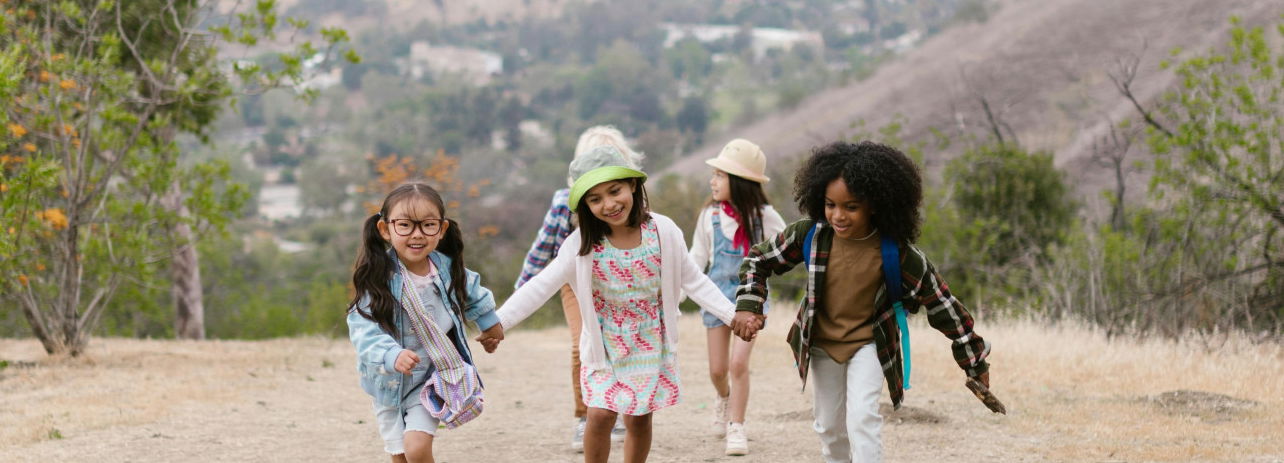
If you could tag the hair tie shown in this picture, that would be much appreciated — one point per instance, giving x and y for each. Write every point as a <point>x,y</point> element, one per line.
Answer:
<point>379,214</point>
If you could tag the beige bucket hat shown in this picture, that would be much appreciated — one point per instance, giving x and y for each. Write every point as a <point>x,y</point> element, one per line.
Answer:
<point>743,159</point>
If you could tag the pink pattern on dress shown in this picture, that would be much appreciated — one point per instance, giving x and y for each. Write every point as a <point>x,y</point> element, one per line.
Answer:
<point>642,374</point>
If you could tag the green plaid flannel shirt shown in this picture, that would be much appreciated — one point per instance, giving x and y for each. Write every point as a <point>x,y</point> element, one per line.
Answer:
<point>923,288</point>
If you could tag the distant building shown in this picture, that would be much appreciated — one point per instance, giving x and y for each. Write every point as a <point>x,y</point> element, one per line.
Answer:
<point>321,80</point>
<point>905,42</point>
<point>475,66</point>
<point>764,38</point>
<point>314,78</point>
<point>280,202</point>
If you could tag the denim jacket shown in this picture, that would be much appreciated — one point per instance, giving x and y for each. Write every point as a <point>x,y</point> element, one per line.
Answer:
<point>377,350</point>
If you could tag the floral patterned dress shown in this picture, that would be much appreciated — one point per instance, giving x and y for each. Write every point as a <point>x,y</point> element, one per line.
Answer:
<point>643,373</point>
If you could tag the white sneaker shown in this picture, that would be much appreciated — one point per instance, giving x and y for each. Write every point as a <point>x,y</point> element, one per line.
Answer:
<point>618,432</point>
<point>737,443</point>
<point>577,440</point>
<point>719,424</point>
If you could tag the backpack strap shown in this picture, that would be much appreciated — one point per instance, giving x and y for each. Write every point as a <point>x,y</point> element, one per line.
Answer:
<point>892,279</point>
<point>811,233</point>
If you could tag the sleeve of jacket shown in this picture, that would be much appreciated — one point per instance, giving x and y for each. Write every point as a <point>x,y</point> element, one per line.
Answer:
<point>557,222</point>
<point>772,223</point>
<point>532,295</point>
<point>480,306</point>
<point>771,257</point>
<point>376,348</point>
<point>696,285</point>
<point>700,244</point>
<point>926,289</point>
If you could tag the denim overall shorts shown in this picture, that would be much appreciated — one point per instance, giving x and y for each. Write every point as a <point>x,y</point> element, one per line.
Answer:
<point>725,269</point>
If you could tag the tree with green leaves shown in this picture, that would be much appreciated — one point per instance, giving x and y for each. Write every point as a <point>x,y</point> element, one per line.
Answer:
<point>95,192</point>
<point>1022,198</point>
<point>1218,183</point>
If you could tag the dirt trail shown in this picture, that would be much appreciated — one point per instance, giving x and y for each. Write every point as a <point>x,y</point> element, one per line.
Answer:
<point>297,400</point>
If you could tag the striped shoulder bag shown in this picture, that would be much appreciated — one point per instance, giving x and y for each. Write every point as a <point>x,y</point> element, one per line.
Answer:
<point>453,393</point>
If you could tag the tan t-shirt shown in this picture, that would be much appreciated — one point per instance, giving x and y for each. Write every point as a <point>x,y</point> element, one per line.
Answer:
<point>853,275</point>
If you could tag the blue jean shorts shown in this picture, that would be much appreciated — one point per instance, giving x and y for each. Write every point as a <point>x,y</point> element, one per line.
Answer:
<point>392,427</point>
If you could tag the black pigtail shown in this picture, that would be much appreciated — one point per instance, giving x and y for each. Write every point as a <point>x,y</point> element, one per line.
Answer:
<point>452,245</point>
<point>370,277</point>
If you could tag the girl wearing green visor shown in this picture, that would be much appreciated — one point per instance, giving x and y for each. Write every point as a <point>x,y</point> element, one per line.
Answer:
<point>630,268</point>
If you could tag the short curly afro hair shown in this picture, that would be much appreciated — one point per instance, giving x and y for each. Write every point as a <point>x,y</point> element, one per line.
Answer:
<point>881,176</point>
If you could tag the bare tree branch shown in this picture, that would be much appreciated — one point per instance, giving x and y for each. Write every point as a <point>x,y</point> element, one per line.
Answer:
<point>1123,75</point>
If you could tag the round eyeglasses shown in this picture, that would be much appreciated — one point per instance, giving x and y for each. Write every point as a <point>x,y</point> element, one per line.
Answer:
<point>406,227</point>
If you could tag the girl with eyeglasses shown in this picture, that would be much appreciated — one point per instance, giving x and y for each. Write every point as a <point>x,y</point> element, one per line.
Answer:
<point>406,321</point>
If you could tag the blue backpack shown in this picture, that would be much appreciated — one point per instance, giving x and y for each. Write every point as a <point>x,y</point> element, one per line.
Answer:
<point>891,279</point>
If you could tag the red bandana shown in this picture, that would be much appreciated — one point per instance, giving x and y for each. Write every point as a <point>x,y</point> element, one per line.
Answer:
<point>741,240</point>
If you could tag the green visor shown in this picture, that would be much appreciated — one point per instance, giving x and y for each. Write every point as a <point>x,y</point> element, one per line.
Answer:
<point>598,176</point>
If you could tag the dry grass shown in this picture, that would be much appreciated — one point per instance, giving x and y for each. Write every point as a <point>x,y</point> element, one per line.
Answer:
<point>1072,395</point>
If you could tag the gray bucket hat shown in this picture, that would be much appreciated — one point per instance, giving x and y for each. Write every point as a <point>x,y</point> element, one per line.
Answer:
<point>602,164</point>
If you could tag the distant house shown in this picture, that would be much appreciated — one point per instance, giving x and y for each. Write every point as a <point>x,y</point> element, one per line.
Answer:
<point>280,201</point>
<point>475,66</point>
<point>315,78</point>
<point>905,42</point>
<point>763,38</point>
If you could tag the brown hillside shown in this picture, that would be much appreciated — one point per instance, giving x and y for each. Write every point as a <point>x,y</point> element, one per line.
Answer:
<point>1042,64</point>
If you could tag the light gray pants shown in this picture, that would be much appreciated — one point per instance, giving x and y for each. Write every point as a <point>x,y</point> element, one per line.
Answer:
<point>846,406</point>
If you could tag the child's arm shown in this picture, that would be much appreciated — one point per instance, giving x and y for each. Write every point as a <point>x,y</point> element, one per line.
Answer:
<point>946,314</point>
<point>532,295</point>
<point>377,349</point>
<point>479,304</point>
<point>774,256</point>
<point>480,309</point>
<point>702,290</point>
<point>700,245</point>
<point>557,222</point>
<point>772,223</point>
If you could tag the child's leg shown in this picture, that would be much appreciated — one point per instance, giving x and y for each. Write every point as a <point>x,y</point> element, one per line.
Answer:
<point>718,340</point>
<point>637,444</point>
<point>420,427</point>
<point>399,458</point>
<point>864,385</point>
<point>571,309</point>
<point>739,369</point>
<point>418,447</point>
<point>597,435</point>
<point>829,406</point>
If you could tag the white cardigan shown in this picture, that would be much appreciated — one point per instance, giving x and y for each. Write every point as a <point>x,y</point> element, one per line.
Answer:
<point>678,275</point>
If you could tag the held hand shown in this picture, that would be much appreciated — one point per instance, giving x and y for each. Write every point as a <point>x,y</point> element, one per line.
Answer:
<point>747,324</point>
<point>490,338</point>
<point>406,361</point>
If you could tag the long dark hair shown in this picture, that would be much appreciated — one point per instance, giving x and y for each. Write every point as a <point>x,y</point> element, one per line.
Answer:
<point>374,267</point>
<point>878,174</point>
<point>748,199</point>
<point>593,230</point>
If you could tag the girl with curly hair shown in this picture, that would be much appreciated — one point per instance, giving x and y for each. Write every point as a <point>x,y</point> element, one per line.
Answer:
<point>846,331</point>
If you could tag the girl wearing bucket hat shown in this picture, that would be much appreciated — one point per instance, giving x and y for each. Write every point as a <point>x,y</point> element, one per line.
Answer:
<point>552,233</point>
<point>635,265</point>
<point>736,217</point>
